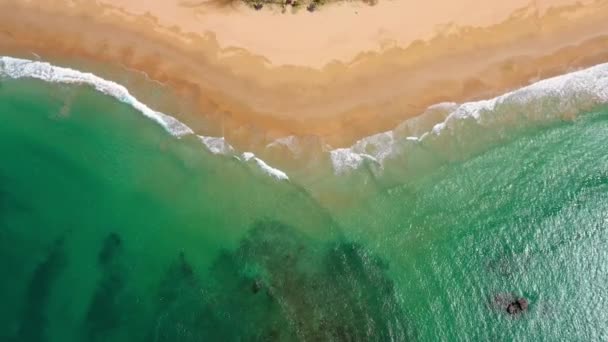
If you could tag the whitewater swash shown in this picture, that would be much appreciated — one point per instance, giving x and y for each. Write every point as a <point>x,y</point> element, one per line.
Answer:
<point>112,229</point>
<point>560,94</point>
<point>22,68</point>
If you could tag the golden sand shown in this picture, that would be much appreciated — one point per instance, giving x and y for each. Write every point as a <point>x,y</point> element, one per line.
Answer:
<point>344,72</point>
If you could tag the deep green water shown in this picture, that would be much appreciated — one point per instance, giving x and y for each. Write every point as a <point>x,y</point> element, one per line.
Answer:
<point>113,230</point>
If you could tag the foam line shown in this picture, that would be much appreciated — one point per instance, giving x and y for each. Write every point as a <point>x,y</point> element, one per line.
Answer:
<point>217,145</point>
<point>23,68</point>
<point>544,100</point>
<point>17,68</point>
<point>276,173</point>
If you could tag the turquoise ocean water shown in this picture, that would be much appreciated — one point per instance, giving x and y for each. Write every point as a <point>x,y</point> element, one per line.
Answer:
<point>112,229</point>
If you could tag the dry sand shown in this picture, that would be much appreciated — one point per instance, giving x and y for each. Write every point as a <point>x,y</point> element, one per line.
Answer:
<point>347,71</point>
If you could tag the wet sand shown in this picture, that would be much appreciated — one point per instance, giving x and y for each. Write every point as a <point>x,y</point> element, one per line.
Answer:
<point>345,72</point>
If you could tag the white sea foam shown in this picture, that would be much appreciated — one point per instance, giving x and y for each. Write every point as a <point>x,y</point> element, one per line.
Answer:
<point>561,95</point>
<point>217,145</point>
<point>345,159</point>
<point>541,100</point>
<point>290,142</point>
<point>276,173</point>
<point>16,68</point>
<point>23,68</point>
<point>299,146</point>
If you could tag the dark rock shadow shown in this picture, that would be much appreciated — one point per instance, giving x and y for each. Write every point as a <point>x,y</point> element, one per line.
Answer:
<point>280,285</point>
<point>33,319</point>
<point>510,304</point>
<point>181,312</point>
<point>105,311</point>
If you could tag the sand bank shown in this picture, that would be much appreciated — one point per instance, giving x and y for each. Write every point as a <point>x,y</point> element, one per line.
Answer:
<point>347,71</point>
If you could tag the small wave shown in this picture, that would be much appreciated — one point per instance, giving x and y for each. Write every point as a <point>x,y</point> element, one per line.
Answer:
<point>291,142</point>
<point>544,100</point>
<point>16,68</point>
<point>22,68</point>
<point>550,99</point>
<point>276,173</point>
<point>217,145</point>
<point>345,159</point>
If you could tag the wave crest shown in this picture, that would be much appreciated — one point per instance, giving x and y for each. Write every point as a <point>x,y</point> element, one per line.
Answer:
<point>17,68</point>
<point>556,98</point>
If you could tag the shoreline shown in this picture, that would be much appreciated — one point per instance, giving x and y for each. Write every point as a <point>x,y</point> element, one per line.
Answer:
<point>14,68</point>
<point>254,102</point>
<point>562,97</point>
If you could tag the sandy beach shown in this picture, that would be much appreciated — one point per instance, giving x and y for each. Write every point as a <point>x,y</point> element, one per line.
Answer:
<point>344,72</point>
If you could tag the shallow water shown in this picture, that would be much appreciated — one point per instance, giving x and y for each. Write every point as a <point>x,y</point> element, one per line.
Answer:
<point>113,230</point>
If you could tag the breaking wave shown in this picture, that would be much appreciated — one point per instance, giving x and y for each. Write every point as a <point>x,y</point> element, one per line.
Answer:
<point>557,98</point>
<point>446,125</point>
<point>17,68</point>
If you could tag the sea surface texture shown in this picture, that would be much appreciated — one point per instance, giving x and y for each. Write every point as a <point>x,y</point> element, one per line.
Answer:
<point>486,222</point>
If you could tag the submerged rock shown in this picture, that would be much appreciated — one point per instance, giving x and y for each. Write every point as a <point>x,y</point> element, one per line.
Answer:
<point>313,291</point>
<point>281,285</point>
<point>185,268</point>
<point>182,313</point>
<point>256,286</point>
<point>33,320</point>
<point>111,245</point>
<point>106,309</point>
<point>518,306</point>
<point>510,303</point>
